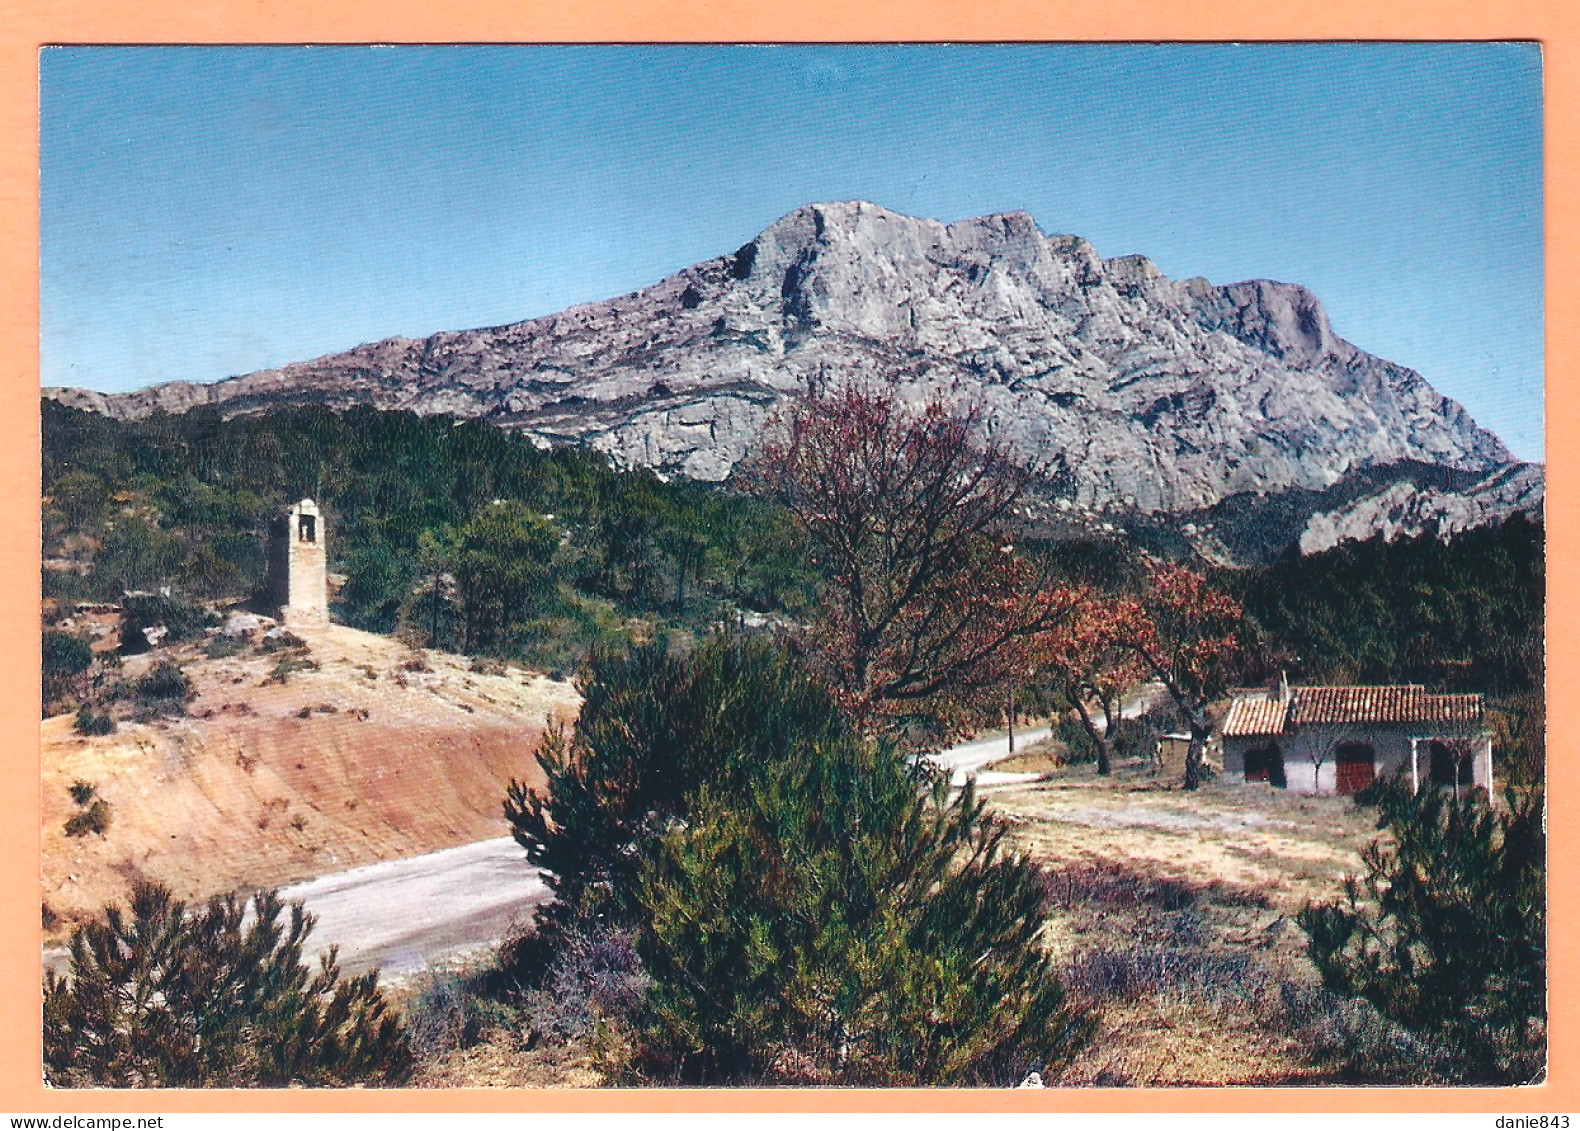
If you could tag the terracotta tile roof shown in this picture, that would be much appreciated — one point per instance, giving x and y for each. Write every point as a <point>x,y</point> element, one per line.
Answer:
<point>1255,714</point>
<point>1397,704</point>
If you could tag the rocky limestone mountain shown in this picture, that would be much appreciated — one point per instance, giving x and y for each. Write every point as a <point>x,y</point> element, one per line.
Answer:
<point>1141,393</point>
<point>1403,510</point>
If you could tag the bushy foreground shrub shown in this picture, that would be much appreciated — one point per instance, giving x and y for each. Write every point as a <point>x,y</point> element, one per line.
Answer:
<point>447,1012</point>
<point>655,728</point>
<point>1446,933</point>
<point>214,997</point>
<point>806,907</point>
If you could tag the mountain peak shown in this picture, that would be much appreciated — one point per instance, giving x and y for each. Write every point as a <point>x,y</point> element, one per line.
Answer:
<point>1144,392</point>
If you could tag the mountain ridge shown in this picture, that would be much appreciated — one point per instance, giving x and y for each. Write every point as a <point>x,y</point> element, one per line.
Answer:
<point>1147,394</point>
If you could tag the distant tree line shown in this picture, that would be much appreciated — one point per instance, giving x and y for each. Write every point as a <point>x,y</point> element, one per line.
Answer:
<point>1465,614</point>
<point>1462,614</point>
<point>474,539</point>
<point>470,538</point>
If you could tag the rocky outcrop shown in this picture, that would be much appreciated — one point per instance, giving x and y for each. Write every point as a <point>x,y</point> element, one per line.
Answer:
<point>1141,392</point>
<point>1404,509</point>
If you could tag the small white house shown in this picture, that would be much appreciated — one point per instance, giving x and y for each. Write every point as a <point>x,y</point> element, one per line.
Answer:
<point>1341,739</point>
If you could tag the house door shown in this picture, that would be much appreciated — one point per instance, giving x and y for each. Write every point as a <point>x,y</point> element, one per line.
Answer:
<point>1355,767</point>
<point>1265,763</point>
<point>1451,764</point>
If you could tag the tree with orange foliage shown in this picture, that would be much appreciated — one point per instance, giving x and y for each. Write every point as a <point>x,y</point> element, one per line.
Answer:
<point>1190,637</point>
<point>928,604</point>
<point>1092,659</point>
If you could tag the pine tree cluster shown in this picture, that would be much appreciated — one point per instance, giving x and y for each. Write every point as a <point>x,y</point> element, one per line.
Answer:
<point>214,997</point>
<point>1446,933</point>
<point>807,906</point>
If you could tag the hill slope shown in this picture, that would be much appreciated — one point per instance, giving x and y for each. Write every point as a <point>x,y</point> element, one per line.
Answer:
<point>399,753</point>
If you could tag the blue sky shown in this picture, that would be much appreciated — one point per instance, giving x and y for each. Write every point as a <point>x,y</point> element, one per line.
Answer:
<point>212,211</point>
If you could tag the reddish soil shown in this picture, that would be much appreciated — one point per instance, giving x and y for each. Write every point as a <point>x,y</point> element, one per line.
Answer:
<point>379,753</point>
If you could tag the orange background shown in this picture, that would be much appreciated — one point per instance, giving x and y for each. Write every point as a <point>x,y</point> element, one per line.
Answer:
<point>25,25</point>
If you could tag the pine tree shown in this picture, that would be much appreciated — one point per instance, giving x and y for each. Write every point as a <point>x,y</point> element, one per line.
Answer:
<point>1446,934</point>
<point>808,906</point>
<point>653,728</point>
<point>215,997</point>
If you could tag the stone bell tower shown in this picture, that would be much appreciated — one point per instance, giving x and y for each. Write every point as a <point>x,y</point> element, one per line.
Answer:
<point>298,567</point>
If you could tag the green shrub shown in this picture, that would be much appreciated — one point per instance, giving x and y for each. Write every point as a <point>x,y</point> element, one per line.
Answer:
<point>282,640</point>
<point>65,658</point>
<point>181,619</point>
<point>222,647</point>
<point>94,819</point>
<point>653,728</point>
<point>1078,746</point>
<point>92,724</point>
<point>215,997</point>
<point>287,665</point>
<point>163,691</point>
<point>81,792</point>
<point>836,927</point>
<point>164,682</point>
<point>806,907</point>
<point>1446,933</point>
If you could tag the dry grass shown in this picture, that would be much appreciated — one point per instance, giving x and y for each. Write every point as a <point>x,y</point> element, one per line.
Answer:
<point>500,1061</point>
<point>1289,847</point>
<point>1172,913</point>
<point>1040,758</point>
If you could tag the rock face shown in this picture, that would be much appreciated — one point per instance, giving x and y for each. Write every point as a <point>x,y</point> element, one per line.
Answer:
<point>1403,510</point>
<point>1141,392</point>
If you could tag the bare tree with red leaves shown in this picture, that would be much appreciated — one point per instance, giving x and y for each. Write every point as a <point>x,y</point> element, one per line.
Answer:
<point>1190,639</point>
<point>929,606</point>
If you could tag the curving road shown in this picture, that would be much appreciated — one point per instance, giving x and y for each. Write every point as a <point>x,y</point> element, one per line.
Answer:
<point>404,916</point>
<point>969,759</point>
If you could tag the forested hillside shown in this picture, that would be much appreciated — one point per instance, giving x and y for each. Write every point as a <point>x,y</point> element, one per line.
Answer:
<point>469,536</point>
<point>1461,615</point>
<point>1467,614</point>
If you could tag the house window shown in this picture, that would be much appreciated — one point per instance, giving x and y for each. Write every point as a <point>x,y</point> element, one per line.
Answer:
<point>307,528</point>
<point>1355,767</point>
